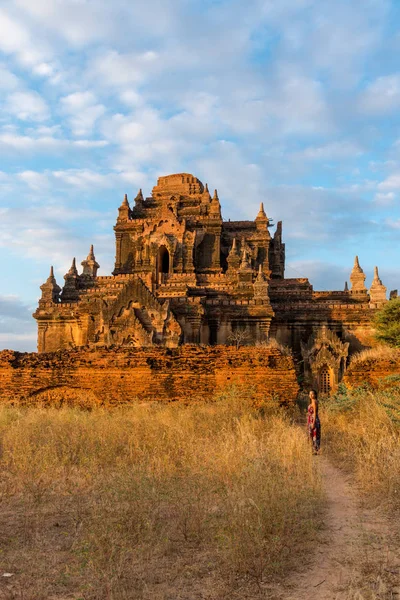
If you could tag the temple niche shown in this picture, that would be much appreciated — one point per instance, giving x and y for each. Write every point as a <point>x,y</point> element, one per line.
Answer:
<point>184,275</point>
<point>325,359</point>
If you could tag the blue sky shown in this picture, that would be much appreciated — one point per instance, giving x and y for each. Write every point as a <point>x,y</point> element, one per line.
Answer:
<point>294,103</point>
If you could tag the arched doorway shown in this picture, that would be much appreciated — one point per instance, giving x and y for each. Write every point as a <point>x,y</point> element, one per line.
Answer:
<point>325,380</point>
<point>163,264</point>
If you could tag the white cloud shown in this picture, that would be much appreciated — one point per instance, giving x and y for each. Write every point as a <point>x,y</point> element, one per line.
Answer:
<point>43,69</point>
<point>385,199</point>
<point>90,143</point>
<point>27,106</point>
<point>83,178</point>
<point>43,143</point>
<point>8,81</point>
<point>35,180</point>
<point>83,111</point>
<point>115,69</point>
<point>382,95</point>
<point>390,183</point>
<point>298,103</point>
<point>15,38</point>
<point>332,151</point>
<point>393,223</point>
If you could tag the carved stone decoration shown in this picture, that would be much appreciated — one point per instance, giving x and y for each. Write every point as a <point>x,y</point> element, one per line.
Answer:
<point>324,356</point>
<point>172,331</point>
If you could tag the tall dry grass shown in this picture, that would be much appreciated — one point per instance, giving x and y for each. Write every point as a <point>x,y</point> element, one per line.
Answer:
<point>362,429</point>
<point>376,354</point>
<point>153,501</point>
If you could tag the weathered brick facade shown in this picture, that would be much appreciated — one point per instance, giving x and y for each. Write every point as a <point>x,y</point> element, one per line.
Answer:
<point>114,376</point>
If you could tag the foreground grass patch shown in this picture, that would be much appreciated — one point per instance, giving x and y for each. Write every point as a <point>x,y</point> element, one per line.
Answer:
<point>362,429</point>
<point>153,501</point>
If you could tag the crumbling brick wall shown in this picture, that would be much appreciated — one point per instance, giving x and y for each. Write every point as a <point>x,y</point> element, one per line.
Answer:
<point>372,372</point>
<point>187,373</point>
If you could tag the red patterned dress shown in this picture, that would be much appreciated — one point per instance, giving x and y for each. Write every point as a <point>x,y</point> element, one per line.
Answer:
<point>314,432</point>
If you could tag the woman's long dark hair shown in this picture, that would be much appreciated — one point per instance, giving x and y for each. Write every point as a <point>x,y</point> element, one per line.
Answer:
<point>315,394</point>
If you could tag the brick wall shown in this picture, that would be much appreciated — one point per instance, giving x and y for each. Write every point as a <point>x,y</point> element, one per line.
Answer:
<point>112,376</point>
<point>371,372</point>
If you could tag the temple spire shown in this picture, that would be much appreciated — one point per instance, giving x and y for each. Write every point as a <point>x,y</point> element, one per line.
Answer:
<point>262,220</point>
<point>233,259</point>
<point>50,290</point>
<point>73,270</point>
<point>245,263</point>
<point>124,209</point>
<point>90,265</point>
<point>261,286</point>
<point>215,207</point>
<point>357,278</point>
<point>261,213</point>
<point>377,291</point>
<point>139,197</point>
<point>70,290</point>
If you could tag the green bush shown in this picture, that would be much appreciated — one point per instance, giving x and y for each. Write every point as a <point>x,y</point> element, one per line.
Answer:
<point>387,323</point>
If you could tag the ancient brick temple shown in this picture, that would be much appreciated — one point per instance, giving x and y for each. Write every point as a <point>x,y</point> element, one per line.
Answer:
<point>184,275</point>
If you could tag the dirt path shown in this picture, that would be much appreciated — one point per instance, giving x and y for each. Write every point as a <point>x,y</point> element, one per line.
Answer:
<point>356,559</point>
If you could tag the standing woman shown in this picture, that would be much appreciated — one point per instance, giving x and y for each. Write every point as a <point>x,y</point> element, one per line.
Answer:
<point>313,423</point>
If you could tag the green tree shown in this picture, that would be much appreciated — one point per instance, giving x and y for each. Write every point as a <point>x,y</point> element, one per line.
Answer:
<point>387,323</point>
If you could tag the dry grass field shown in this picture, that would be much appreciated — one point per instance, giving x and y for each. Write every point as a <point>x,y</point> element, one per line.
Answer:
<point>362,430</point>
<point>212,501</point>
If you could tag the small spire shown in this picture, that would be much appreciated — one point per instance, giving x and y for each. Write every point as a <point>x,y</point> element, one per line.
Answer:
<point>376,275</point>
<point>346,287</point>
<point>124,210</point>
<point>234,245</point>
<point>206,188</point>
<point>262,219</point>
<point>278,232</point>
<point>50,290</point>
<point>245,264</point>
<point>261,212</point>
<point>260,274</point>
<point>139,197</point>
<point>73,270</point>
<point>215,207</point>
<point>377,290</point>
<point>90,265</point>
<point>261,287</point>
<point>357,278</point>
